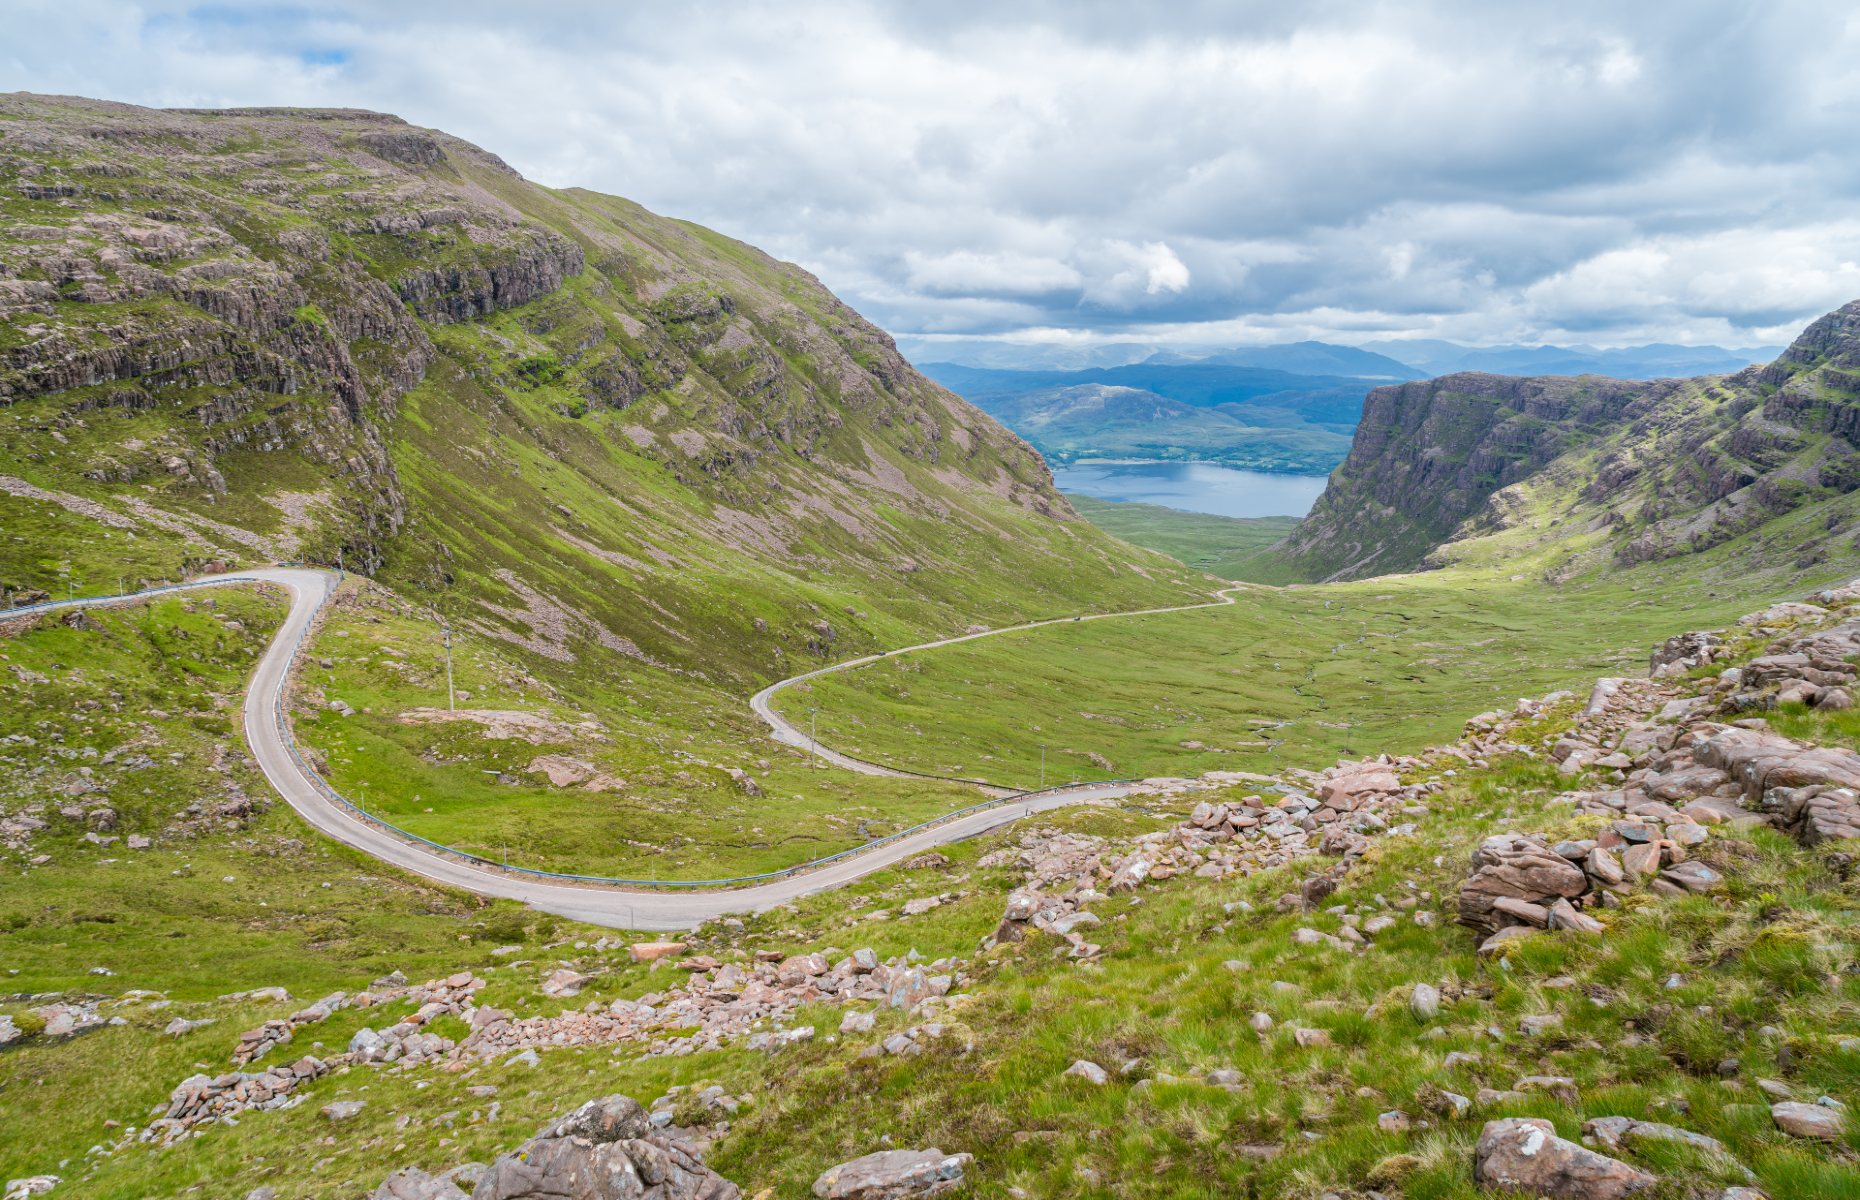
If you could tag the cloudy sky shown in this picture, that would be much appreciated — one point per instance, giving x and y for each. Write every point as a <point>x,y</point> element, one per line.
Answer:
<point>1096,169</point>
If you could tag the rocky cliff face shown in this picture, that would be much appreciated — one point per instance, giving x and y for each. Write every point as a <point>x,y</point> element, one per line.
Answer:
<point>282,333</point>
<point>1657,468</point>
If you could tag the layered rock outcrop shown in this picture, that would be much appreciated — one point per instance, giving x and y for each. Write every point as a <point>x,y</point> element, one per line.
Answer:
<point>1664,467</point>
<point>227,316</point>
<point>608,1149</point>
<point>604,1150</point>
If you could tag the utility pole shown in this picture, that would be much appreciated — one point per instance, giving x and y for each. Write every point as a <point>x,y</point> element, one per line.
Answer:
<point>1043,766</point>
<point>813,741</point>
<point>452,703</point>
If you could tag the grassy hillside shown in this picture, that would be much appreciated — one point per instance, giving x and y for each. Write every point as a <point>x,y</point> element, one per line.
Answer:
<point>1292,677</point>
<point>122,724</point>
<point>639,466</point>
<point>1621,472</point>
<point>1230,547</point>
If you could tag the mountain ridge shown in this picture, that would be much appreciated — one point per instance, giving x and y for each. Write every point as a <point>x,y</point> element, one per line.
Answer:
<point>1653,469</point>
<point>1387,357</point>
<point>316,293</point>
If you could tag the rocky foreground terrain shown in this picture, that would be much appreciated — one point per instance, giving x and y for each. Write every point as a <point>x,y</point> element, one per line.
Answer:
<point>1664,780</point>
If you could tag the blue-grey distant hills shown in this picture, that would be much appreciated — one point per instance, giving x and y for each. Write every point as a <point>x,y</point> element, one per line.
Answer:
<point>1302,358</point>
<point>1384,358</point>
<point>1290,407</point>
<point>1253,417</point>
<point>1656,361</point>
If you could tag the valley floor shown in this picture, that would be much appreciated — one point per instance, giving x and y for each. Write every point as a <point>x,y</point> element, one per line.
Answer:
<point>1286,677</point>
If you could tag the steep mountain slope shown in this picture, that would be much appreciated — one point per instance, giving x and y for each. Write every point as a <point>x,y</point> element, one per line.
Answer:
<point>579,427</point>
<point>638,469</point>
<point>1586,472</point>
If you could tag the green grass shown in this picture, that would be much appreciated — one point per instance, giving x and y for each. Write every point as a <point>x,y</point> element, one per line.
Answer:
<point>146,699</point>
<point>1229,547</point>
<point>672,810</point>
<point>1180,974</point>
<point>1293,677</point>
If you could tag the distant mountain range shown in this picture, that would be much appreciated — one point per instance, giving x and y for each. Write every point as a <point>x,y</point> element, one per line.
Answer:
<point>1656,361</point>
<point>1385,360</point>
<point>1302,358</point>
<point>1253,417</point>
<point>1291,407</point>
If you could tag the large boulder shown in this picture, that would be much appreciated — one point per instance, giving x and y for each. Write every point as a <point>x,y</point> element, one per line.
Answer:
<point>1524,1155</point>
<point>1348,786</point>
<point>1760,760</point>
<point>411,1183</point>
<point>1814,791</point>
<point>1683,652</point>
<point>1807,1120</point>
<point>1521,868</point>
<point>893,1175</point>
<point>604,1150</point>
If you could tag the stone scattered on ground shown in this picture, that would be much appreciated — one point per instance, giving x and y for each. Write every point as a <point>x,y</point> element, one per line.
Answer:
<point>1807,1120</point>
<point>1615,1133</point>
<point>31,1185</point>
<point>69,1020</point>
<point>182,1025</point>
<point>608,1149</point>
<point>894,1175</point>
<point>564,982</point>
<point>721,1001</point>
<point>201,1098</point>
<point>411,1183</point>
<point>1525,1156</point>
<point>598,1152</point>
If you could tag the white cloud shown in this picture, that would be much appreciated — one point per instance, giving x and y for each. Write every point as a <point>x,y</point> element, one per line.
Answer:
<point>1127,272</point>
<point>967,272</point>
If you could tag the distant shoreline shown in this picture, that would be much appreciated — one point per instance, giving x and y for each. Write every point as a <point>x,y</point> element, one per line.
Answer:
<point>1193,486</point>
<point>1185,462</point>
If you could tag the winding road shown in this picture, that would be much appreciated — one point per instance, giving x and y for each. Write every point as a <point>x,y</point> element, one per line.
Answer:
<point>268,734</point>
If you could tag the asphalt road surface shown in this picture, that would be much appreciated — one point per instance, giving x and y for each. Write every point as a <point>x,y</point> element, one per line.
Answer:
<point>615,907</point>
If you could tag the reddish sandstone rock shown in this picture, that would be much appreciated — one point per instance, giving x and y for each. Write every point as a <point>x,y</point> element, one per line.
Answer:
<point>1525,1156</point>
